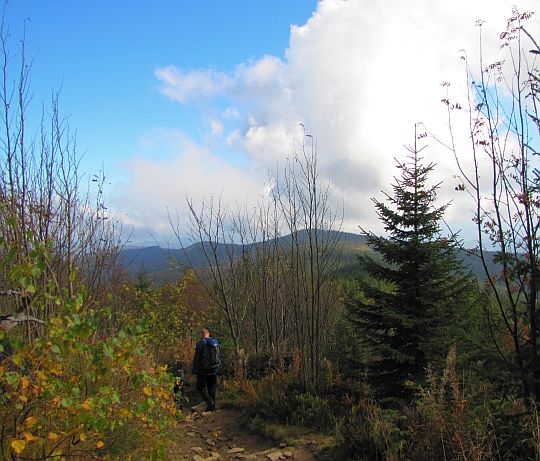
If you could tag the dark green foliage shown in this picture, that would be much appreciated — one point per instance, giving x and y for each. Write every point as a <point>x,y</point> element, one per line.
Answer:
<point>370,433</point>
<point>407,307</point>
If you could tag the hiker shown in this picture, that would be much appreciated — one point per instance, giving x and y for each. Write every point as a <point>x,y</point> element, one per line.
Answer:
<point>179,390</point>
<point>206,365</point>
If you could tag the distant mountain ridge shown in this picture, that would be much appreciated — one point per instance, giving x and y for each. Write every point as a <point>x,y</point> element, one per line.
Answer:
<point>167,264</point>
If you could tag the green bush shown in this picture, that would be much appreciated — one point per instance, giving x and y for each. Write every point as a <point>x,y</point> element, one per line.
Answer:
<point>73,393</point>
<point>313,411</point>
<point>372,433</point>
<point>273,431</point>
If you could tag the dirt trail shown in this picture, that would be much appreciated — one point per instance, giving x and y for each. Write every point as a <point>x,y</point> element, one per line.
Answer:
<point>213,436</point>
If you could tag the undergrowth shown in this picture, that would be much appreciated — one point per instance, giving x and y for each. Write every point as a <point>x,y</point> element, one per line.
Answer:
<point>449,419</point>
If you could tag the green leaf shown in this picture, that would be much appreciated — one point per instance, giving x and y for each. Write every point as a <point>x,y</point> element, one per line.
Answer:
<point>12,378</point>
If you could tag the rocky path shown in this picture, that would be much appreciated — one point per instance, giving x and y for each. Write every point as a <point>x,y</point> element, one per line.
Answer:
<point>219,436</point>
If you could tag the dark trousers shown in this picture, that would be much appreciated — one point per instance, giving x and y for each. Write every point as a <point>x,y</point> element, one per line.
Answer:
<point>206,385</point>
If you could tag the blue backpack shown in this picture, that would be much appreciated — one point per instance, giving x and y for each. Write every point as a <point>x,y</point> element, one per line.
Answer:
<point>211,359</point>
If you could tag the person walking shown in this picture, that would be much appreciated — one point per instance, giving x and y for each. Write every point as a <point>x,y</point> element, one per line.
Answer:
<point>206,364</point>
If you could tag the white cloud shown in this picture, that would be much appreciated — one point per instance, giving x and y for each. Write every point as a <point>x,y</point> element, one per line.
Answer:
<point>216,128</point>
<point>358,75</point>
<point>231,113</point>
<point>181,86</point>
<point>156,188</point>
<point>232,137</point>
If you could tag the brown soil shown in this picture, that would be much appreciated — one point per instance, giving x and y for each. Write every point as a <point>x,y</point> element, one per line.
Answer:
<point>219,435</point>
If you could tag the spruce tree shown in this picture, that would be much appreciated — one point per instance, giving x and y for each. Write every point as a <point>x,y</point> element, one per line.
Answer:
<point>412,289</point>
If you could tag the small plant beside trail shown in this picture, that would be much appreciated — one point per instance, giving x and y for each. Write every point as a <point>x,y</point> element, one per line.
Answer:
<point>75,394</point>
<point>452,416</point>
<point>75,389</point>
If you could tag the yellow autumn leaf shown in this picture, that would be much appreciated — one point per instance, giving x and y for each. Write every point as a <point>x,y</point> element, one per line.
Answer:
<point>82,436</point>
<point>100,444</point>
<point>31,421</point>
<point>18,446</point>
<point>52,436</point>
<point>41,375</point>
<point>147,391</point>
<point>23,398</point>
<point>24,383</point>
<point>57,371</point>
<point>86,405</point>
<point>27,436</point>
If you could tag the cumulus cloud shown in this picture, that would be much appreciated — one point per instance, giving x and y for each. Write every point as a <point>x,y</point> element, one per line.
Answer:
<point>158,188</point>
<point>180,86</point>
<point>358,75</point>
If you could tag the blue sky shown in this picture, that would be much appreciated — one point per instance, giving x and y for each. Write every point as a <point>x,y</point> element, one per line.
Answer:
<point>103,55</point>
<point>202,99</point>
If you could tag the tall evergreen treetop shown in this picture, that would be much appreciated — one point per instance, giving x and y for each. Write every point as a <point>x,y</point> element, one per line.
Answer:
<point>411,299</point>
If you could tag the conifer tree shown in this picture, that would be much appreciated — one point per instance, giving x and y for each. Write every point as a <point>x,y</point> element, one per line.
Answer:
<point>413,287</point>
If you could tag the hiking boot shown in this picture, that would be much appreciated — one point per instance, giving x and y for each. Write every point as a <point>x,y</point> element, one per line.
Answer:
<point>211,407</point>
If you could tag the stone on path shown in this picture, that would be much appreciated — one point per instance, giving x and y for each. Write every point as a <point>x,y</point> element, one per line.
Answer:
<point>288,454</point>
<point>192,434</point>
<point>274,456</point>
<point>211,442</point>
<point>234,450</point>
<point>197,450</point>
<point>214,456</point>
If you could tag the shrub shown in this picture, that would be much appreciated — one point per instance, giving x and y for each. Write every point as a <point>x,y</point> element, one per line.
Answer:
<point>314,411</point>
<point>263,364</point>
<point>74,394</point>
<point>441,423</point>
<point>372,433</point>
<point>445,422</point>
<point>269,397</point>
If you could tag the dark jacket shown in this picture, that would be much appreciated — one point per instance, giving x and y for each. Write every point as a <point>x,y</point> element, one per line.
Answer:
<point>198,367</point>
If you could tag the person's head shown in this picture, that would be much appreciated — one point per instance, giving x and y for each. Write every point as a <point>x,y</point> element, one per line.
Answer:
<point>205,333</point>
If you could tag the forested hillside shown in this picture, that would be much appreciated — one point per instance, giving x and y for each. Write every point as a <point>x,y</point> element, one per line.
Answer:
<point>167,264</point>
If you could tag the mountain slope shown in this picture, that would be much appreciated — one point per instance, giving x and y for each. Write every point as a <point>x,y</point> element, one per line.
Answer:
<point>167,264</point>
